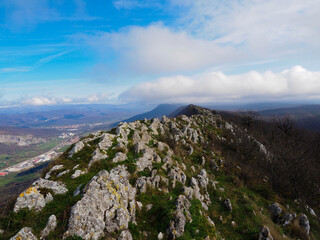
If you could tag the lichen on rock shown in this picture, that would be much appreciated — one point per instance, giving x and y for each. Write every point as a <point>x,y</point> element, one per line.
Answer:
<point>108,204</point>
<point>24,234</point>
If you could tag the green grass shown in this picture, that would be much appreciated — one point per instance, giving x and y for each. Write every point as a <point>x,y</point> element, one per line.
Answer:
<point>64,148</point>
<point>158,218</point>
<point>199,227</point>
<point>13,178</point>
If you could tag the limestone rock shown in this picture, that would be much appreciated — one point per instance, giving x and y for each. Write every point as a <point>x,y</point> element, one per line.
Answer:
<point>227,204</point>
<point>203,161</point>
<point>275,211</point>
<point>63,173</point>
<point>76,148</point>
<point>311,211</point>
<point>75,167</point>
<point>78,173</point>
<point>213,165</point>
<point>32,198</point>
<point>108,203</point>
<point>146,160</point>
<point>106,141</point>
<point>24,234</point>
<point>286,219</point>
<point>211,223</point>
<point>77,191</point>
<point>304,223</point>
<point>97,156</point>
<point>139,205</point>
<point>203,179</point>
<point>190,150</point>
<point>141,184</point>
<point>119,157</point>
<point>176,174</point>
<point>51,225</point>
<point>178,222</point>
<point>54,168</point>
<point>163,146</point>
<point>56,187</point>
<point>125,235</point>
<point>265,234</point>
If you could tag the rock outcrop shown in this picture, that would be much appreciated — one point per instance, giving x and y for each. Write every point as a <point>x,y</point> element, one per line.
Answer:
<point>304,223</point>
<point>108,204</point>
<point>97,156</point>
<point>76,148</point>
<point>180,217</point>
<point>265,234</point>
<point>31,198</point>
<point>51,225</point>
<point>275,211</point>
<point>24,234</point>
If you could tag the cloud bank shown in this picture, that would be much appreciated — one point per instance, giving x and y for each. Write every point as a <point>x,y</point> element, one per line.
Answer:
<point>292,84</point>
<point>43,100</point>
<point>256,23</point>
<point>159,49</point>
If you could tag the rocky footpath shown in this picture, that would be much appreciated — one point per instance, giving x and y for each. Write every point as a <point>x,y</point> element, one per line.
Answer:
<point>148,179</point>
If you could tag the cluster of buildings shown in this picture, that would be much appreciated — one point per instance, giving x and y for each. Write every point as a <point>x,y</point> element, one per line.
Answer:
<point>45,157</point>
<point>30,163</point>
<point>66,135</point>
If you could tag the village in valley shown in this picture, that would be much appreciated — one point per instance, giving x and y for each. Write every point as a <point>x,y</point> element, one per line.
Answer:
<point>40,159</point>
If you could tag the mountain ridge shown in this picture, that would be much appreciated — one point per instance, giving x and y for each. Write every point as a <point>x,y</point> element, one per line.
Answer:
<point>153,179</point>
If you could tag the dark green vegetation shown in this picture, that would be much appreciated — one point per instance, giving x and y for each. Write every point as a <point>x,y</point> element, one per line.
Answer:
<point>305,116</point>
<point>244,176</point>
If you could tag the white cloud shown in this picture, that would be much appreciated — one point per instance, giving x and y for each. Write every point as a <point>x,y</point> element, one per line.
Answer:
<point>295,83</point>
<point>97,97</point>
<point>15,69</point>
<point>41,100</point>
<point>258,24</point>
<point>93,98</point>
<point>158,49</point>
<point>38,101</point>
<point>66,100</point>
<point>48,59</point>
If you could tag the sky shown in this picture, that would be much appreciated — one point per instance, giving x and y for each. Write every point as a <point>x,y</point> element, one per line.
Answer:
<point>158,51</point>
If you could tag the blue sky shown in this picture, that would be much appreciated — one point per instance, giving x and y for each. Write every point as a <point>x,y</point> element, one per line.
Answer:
<point>120,51</point>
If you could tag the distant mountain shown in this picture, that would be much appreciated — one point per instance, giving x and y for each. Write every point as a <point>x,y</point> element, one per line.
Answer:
<point>63,115</point>
<point>158,112</point>
<point>305,116</point>
<point>189,110</point>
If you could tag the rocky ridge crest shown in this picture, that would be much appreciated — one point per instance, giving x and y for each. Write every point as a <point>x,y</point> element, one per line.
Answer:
<point>118,184</point>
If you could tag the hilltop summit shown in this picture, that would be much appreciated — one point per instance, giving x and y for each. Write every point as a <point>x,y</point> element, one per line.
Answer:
<point>190,110</point>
